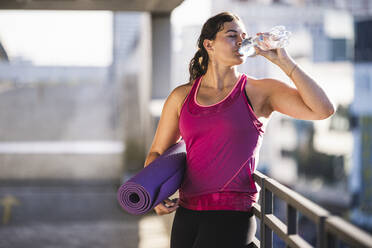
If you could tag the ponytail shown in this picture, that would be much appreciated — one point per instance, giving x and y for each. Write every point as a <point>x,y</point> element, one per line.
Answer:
<point>199,64</point>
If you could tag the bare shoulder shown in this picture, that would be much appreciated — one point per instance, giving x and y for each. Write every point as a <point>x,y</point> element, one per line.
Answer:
<point>257,87</point>
<point>257,83</point>
<point>265,86</point>
<point>271,83</point>
<point>180,93</point>
<point>182,89</point>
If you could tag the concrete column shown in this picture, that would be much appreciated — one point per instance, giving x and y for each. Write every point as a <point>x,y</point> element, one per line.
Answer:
<point>160,59</point>
<point>145,80</point>
<point>161,55</point>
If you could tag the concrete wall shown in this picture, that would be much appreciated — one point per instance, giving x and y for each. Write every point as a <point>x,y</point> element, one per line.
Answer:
<point>59,113</point>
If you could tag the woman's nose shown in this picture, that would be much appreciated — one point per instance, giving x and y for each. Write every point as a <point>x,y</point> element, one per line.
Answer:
<point>240,40</point>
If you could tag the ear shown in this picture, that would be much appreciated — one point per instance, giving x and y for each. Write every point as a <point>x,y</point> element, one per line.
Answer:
<point>208,45</point>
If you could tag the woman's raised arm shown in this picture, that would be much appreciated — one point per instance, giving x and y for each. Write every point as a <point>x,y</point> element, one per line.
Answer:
<point>307,101</point>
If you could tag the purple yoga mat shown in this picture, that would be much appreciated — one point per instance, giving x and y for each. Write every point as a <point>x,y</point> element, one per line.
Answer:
<point>154,183</point>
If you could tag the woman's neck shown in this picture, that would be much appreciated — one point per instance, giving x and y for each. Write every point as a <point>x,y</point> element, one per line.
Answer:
<point>220,79</point>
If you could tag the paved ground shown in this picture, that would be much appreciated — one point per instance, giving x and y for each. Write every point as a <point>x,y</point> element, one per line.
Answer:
<point>71,234</point>
<point>69,216</point>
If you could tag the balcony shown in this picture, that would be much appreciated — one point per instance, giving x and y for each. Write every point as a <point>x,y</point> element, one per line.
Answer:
<point>331,231</point>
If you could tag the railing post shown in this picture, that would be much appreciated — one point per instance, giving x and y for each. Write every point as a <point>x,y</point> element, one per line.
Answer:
<point>329,241</point>
<point>321,233</point>
<point>262,225</point>
<point>266,208</point>
<point>292,221</point>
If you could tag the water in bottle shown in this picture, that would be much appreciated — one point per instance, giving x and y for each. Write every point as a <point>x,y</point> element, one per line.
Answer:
<point>278,37</point>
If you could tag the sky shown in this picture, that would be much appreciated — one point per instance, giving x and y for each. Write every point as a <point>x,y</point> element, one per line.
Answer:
<point>191,12</point>
<point>58,37</point>
<point>74,38</point>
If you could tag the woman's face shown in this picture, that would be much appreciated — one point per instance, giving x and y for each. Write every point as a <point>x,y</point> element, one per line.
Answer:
<point>224,49</point>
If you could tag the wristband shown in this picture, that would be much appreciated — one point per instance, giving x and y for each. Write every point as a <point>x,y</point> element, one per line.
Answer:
<point>290,74</point>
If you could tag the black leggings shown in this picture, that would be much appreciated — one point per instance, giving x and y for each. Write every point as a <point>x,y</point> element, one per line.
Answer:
<point>212,228</point>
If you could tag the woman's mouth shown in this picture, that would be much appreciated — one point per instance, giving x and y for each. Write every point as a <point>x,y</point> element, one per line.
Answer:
<point>237,52</point>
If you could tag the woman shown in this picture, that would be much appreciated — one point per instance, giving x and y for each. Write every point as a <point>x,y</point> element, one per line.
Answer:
<point>221,114</point>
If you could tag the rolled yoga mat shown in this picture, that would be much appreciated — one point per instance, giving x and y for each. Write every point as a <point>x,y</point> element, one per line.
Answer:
<point>154,183</point>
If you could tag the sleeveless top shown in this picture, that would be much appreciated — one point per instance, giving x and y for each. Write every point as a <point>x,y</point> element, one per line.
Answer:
<point>222,144</point>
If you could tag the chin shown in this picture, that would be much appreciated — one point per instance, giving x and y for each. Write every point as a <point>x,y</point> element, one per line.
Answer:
<point>240,60</point>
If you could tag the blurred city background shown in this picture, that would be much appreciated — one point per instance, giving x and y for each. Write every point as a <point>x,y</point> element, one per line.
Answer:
<point>81,92</point>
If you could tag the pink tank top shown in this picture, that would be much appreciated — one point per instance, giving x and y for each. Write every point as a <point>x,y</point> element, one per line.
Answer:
<point>222,144</point>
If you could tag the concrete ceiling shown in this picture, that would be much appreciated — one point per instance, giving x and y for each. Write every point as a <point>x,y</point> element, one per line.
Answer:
<point>155,6</point>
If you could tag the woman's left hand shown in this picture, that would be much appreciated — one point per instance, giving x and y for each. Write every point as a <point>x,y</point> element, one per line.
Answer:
<point>276,56</point>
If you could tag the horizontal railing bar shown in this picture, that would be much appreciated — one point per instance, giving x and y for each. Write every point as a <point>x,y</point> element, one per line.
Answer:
<point>347,232</point>
<point>257,210</point>
<point>256,242</point>
<point>302,204</point>
<point>276,225</point>
<point>280,230</point>
<point>258,176</point>
<point>296,241</point>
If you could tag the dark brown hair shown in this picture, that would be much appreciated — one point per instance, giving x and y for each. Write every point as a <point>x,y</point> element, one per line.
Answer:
<point>199,63</point>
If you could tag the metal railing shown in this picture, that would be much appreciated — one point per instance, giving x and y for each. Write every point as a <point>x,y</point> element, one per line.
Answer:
<point>329,229</point>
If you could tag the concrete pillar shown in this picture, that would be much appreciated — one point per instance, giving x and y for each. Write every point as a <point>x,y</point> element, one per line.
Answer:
<point>160,59</point>
<point>161,54</point>
<point>146,80</point>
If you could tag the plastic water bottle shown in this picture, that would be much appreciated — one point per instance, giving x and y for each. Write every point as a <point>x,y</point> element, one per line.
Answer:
<point>278,37</point>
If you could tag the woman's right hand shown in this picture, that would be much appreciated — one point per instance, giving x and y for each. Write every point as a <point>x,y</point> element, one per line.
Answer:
<point>167,206</point>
